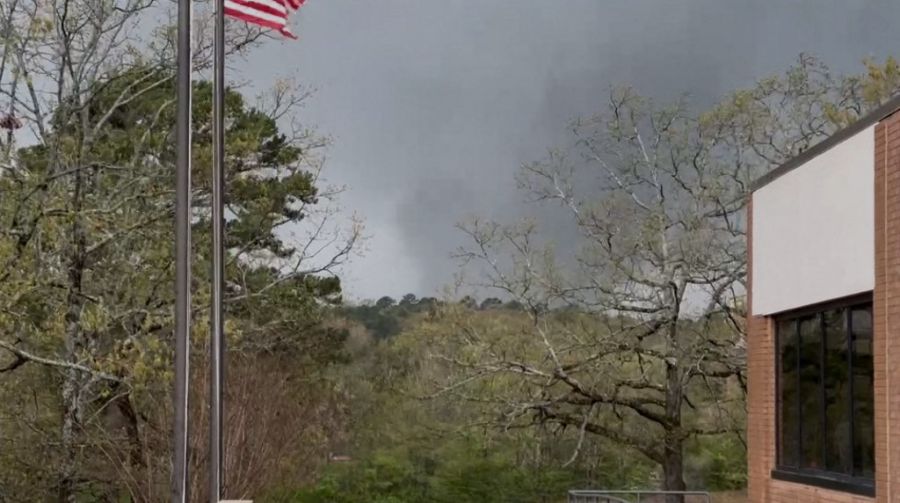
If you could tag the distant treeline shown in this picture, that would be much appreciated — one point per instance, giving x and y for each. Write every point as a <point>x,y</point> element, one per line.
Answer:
<point>384,318</point>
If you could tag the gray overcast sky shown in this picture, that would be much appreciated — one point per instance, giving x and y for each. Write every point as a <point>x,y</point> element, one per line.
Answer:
<point>434,104</point>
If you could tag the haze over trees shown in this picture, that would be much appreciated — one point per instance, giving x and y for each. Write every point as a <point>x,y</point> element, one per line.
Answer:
<point>620,366</point>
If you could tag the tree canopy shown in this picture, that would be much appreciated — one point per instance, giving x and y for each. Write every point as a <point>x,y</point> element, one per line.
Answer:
<point>87,247</point>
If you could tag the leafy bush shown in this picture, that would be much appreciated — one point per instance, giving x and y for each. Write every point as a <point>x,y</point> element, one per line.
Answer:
<point>717,463</point>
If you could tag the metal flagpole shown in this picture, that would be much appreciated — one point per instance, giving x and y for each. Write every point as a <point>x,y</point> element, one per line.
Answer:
<point>182,254</point>
<point>217,342</point>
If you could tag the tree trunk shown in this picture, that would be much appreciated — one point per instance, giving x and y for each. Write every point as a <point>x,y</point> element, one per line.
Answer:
<point>72,402</point>
<point>75,344</point>
<point>673,457</point>
<point>71,398</point>
<point>132,430</point>
<point>673,467</point>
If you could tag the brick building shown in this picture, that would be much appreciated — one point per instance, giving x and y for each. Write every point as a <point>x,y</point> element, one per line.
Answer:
<point>824,325</point>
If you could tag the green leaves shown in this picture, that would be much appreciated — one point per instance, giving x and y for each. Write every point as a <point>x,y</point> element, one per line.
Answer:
<point>86,221</point>
<point>460,473</point>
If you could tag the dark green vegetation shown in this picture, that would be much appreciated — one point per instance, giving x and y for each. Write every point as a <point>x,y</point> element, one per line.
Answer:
<point>410,440</point>
<point>620,367</point>
<point>86,248</point>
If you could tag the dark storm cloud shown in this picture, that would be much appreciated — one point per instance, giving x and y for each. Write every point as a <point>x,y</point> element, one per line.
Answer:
<point>435,104</point>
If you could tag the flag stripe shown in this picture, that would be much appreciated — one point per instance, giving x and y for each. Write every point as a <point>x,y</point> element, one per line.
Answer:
<point>255,14</point>
<point>250,18</point>
<point>266,13</point>
<point>275,7</point>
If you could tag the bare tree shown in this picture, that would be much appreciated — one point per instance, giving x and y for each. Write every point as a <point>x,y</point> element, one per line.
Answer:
<point>639,336</point>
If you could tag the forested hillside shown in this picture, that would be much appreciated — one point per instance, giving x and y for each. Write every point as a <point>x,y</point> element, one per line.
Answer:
<point>423,430</point>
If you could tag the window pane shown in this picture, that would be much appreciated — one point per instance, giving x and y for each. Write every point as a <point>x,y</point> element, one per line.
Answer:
<point>789,440</point>
<point>838,447</point>
<point>811,406</point>
<point>863,394</point>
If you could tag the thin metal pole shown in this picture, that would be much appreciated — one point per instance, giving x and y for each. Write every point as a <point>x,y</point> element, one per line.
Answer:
<point>182,254</point>
<point>217,341</point>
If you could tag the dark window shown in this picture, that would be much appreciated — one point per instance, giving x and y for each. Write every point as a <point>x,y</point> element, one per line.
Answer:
<point>789,433</point>
<point>811,430</point>
<point>838,449</point>
<point>825,394</point>
<point>863,394</point>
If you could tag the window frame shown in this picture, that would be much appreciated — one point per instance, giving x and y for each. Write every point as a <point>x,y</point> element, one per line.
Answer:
<point>855,484</point>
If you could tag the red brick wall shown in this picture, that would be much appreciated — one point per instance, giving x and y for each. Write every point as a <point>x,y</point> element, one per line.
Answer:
<point>760,389</point>
<point>887,309</point>
<point>761,353</point>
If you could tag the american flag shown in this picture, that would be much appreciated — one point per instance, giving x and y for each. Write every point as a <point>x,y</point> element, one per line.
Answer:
<point>267,13</point>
